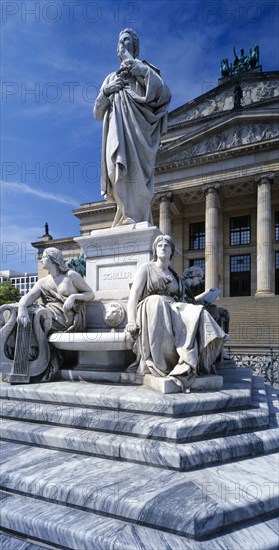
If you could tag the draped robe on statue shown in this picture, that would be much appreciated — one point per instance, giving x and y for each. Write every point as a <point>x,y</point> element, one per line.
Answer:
<point>172,331</point>
<point>53,299</point>
<point>73,320</point>
<point>134,120</point>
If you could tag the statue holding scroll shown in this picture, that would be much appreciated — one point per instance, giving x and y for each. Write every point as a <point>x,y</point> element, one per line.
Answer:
<point>133,104</point>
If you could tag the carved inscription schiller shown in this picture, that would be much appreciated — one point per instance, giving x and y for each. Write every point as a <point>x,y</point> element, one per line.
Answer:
<point>115,276</point>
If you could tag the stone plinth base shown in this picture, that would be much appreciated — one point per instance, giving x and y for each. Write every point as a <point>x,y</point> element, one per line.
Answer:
<point>100,376</point>
<point>113,257</point>
<point>156,383</point>
<point>166,385</point>
<point>264,293</point>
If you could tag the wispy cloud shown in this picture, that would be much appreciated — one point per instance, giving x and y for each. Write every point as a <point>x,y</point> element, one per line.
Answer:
<point>26,189</point>
<point>16,251</point>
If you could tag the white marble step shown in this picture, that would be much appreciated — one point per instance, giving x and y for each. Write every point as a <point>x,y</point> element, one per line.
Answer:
<point>142,425</point>
<point>194,503</point>
<point>10,542</point>
<point>236,394</point>
<point>181,457</point>
<point>75,529</point>
<point>138,424</point>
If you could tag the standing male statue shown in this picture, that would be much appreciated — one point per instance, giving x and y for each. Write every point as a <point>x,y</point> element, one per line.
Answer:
<point>133,103</point>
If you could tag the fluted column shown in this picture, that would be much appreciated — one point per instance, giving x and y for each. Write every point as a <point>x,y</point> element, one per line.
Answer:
<point>264,235</point>
<point>211,234</point>
<point>165,213</point>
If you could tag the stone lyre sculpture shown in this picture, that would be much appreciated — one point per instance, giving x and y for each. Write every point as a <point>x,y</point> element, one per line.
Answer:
<point>172,338</point>
<point>133,103</point>
<point>26,327</point>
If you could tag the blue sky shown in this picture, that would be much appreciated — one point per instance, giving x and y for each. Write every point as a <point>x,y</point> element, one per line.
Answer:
<point>55,56</point>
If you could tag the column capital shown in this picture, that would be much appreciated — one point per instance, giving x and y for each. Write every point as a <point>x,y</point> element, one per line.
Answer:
<point>211,187</point>
<point>265,178</point>
<point>165,196</point>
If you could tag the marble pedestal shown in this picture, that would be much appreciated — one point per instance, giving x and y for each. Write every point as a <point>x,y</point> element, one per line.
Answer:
<point>113,256</point>
<point>112,259</point>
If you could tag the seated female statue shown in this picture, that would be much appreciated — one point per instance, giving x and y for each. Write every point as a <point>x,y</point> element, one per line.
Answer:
<point>63,292</point>
<point>175,339</point>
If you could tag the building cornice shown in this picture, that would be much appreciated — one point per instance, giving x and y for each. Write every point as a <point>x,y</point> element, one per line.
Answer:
<point>53,242</point>
<point>93,207</point>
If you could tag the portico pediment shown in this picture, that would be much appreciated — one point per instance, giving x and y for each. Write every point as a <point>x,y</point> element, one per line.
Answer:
<point>256,89</point>
<point>235,132</point>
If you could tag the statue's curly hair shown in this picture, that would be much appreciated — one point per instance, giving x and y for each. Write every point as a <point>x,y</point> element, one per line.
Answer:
<point>135,41</point>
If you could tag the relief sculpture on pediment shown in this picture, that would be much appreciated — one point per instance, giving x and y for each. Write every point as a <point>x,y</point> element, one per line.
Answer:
<point>222,102</point>
<point>236,136</point>
<point>210,146</point>
<point>220,141</point>
<point>252,93</point>
<point>214,105</point>
<point>263,90</point>
<point>251,134</point>
<point>270,132</point>
<point>266,90</point>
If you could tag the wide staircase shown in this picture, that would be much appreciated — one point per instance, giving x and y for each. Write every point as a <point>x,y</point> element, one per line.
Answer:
<point>254,321</point>
<point>113,467</point>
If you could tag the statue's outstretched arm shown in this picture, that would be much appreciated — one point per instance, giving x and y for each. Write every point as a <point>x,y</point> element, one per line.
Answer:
<point>84,292</point>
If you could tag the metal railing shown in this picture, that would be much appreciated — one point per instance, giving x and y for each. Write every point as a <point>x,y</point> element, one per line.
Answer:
<point>264,360</point>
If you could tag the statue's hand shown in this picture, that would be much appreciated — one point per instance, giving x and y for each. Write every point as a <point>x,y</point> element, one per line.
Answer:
<point>115,86</point>
<point>137,68</point>
<point>125,55</point>
<point>23,316</point>
<point>127,64</point>
<point>69,303</point>
<point>133,329</point>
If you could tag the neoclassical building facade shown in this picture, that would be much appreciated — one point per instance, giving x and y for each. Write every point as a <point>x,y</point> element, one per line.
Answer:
<point>216,187</point>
